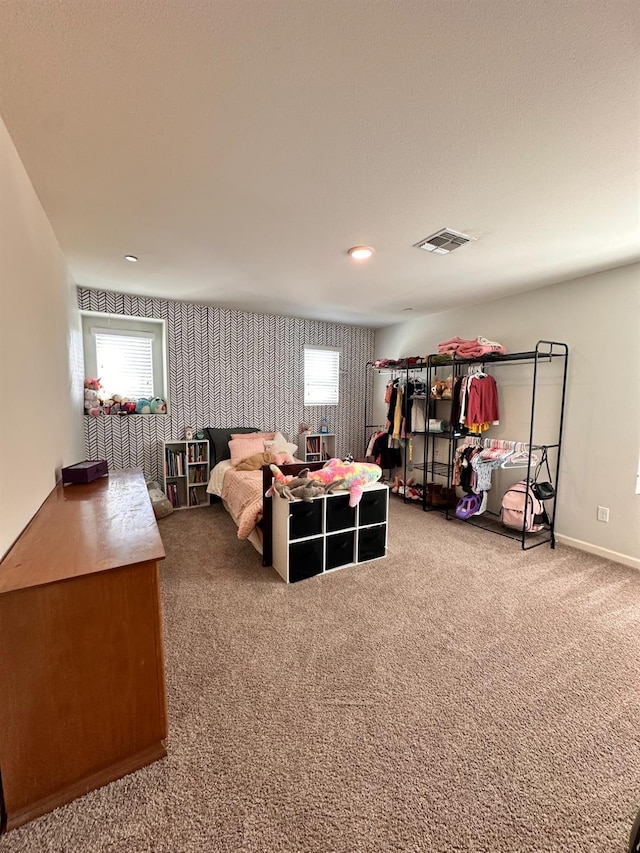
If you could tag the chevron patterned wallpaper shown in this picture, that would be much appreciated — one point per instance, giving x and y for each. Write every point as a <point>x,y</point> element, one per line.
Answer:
<point>231,368</point>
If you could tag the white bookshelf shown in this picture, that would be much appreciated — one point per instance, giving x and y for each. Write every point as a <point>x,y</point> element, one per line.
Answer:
<point>186,473</point>
<point>316,446</point>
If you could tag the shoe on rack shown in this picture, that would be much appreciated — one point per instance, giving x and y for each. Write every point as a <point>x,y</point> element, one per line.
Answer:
<point>449,497</point>
<point>438,497</point>
<point>483,503</point>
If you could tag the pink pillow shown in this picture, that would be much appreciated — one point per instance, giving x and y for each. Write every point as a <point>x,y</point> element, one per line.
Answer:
<point>265,436</point>
<point>240,448</point>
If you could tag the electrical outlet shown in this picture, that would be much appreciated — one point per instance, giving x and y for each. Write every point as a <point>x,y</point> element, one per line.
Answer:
<point>603,513</point>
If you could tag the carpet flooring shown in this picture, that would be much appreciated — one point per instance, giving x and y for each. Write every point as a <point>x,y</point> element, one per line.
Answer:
<point>459,695</point>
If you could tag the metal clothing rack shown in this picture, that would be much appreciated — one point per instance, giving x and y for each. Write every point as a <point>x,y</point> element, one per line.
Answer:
<point>544,353</point>
<point>402,369</point>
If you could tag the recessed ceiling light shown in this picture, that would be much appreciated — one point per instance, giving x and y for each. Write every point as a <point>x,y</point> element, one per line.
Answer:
<point>361,253</point>
<point>131,258</point>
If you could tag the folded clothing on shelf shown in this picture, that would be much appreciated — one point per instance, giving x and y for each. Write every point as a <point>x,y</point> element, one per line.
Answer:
<point>474,348</point>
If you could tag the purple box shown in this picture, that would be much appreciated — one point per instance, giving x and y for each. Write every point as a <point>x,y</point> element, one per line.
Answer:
<point>85,472</point>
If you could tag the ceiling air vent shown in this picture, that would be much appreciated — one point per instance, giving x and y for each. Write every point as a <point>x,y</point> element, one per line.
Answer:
<point>443,242</point>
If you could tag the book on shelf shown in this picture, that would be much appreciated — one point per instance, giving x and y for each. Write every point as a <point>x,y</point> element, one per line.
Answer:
<point>197,452</point>
<point>198,475</point>
<point>313,444</point>
<point>174,463</point>
<point>172,494</point>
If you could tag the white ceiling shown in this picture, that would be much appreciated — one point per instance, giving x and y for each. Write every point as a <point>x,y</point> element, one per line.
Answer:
<point>240,147</point>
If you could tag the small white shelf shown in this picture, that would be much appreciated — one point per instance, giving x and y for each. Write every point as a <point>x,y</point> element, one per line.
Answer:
<point>182,493</point>
<point>316,446</point>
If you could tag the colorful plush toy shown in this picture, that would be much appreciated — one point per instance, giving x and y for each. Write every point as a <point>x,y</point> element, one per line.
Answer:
<point>348,476</point>
<point>290,487</point>
<point>92,384</point>
<point>280,481</point>
<point>143,406</point>
<point>336,474</point>
<point>158,406</point>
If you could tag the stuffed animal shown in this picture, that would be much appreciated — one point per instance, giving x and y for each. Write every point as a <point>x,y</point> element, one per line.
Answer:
<point>143,406</point>
<point>255,462</point>
<point>336,474</point>
<point>93,384</point>
<point>304,490</point>
<point>92,405</point>
<point>158,406</point>
<point>348,476</point>
<point>437,389</point>
<point>279,482</point>
<point>290,487</point>
<point>107,406</point>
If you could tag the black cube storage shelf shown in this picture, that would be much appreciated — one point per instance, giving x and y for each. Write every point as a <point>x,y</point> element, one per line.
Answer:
<point>326,534</point>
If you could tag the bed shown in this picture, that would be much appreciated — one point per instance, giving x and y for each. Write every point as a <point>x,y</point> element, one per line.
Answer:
<point>243,492</point>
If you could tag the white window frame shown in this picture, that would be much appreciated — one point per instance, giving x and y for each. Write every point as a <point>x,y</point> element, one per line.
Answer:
<point>94,323</point>
<point>319,391</point>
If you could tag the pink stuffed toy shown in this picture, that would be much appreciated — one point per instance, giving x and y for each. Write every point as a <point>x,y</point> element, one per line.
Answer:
<point>280,480</point>
<point>354,476</point>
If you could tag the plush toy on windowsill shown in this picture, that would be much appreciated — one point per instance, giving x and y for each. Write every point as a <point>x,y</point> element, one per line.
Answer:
<point>92,403</point>
<point>158,406</point>
<point>143,406</point>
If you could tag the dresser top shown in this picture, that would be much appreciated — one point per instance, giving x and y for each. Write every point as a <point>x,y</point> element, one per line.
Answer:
<point>81,529</point>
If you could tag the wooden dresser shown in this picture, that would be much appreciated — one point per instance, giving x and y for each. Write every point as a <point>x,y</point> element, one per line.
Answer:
<point>82,690</point>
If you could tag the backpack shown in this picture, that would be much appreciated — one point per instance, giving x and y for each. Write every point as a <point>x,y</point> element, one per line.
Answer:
<point>520,505</point>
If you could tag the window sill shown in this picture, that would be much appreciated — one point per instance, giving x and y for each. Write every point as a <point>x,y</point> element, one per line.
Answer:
<point>119,416</point>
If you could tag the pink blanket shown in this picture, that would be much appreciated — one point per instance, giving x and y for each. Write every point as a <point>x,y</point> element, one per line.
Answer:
<point>242,492</point>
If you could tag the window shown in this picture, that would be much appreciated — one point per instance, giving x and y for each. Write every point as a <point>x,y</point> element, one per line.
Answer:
<point>124,364</point>
<point>321,376</point>
<point>126,353</point>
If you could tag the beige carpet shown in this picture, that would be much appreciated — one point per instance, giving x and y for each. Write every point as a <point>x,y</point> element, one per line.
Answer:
<point>460,695</point>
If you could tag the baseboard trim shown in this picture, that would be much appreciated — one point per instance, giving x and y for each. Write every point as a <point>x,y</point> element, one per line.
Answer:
<point>633,562</point>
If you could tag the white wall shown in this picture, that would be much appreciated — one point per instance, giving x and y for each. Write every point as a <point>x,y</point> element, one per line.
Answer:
<point>599,317</point>
<point>40,352</point>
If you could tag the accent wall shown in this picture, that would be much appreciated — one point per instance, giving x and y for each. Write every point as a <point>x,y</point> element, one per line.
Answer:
<point>230,368</point>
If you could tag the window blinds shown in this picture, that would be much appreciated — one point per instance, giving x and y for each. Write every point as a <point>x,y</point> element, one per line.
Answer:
<point>321,376</point>
<point>125,364</point>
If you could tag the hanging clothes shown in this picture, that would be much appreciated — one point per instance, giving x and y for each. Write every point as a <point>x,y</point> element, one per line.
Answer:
<point>384,455</point>
<point>474,403</point>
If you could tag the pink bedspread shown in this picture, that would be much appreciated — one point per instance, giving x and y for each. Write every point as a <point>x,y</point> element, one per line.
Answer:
<point>242,492</point>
